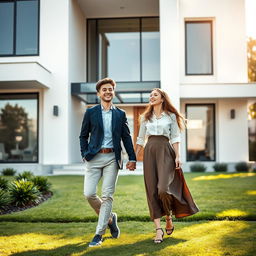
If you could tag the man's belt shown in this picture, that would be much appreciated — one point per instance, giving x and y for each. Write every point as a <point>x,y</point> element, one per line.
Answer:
<point>106,150</point>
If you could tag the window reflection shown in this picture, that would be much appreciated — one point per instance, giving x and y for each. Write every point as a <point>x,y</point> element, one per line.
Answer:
<point>6,27</point>
<point>119,49</point>
<point>150,49</point>
<point>199,48</point>
<point>200,133</point>
<point>27,27</point>
<point>252,131</point>
<point>125,49</point>
<point>18,127</point>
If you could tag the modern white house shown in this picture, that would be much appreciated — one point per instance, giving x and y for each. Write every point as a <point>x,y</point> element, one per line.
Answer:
<point>53,51</point>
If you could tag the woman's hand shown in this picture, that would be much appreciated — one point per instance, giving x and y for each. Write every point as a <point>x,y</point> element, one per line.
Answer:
<point>178,162</point>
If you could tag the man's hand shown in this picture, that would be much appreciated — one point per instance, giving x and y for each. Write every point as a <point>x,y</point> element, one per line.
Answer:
<point>131,166</point>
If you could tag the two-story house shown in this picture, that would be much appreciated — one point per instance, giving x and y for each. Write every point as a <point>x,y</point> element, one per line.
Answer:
<point>53,51</point>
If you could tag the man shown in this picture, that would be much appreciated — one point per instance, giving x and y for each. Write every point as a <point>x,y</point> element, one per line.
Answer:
<point>103,128</point>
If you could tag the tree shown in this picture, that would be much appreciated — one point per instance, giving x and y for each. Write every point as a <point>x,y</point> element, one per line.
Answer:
<point>14,122</point>
<point>251,54</point>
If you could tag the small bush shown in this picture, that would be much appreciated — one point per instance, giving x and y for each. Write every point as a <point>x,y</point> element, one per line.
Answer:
<point>8,172</point>
<point>4,198</point>
<point>3,183</point>
<point>23,192</point>
<point>220,167</point>
<point>242,167</point>
<point>27,175</point>
<point>197,167</point>
<point>42,183</point>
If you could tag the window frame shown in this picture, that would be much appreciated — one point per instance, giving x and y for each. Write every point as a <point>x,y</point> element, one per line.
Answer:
<point>186,57</point>
<point>97,44</point>
<point>37,123</point>
<point>15,29</point>
<point>214,129</point>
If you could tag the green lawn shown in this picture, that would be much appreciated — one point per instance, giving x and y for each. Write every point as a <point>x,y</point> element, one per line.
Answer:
<point>219,196</point>
<point>201,238</point>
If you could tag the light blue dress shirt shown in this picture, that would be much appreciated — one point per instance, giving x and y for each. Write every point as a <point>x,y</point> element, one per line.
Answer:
<point>107,126</point>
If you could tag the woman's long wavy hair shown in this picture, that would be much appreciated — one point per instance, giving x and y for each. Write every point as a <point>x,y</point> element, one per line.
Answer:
<point>167,108</point>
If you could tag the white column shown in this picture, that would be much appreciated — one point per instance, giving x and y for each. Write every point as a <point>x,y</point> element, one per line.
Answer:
<point>169,49</point>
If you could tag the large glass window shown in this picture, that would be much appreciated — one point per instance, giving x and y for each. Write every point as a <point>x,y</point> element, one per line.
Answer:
<point>150,49</point>
<point>199,57</point>
<point>124,49</point>
<point>18,127</point>
<point>252,131</point>
<point>200,132</point>
<point>19,22</point>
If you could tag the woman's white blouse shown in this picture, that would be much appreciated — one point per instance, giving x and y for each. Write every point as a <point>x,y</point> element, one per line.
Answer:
<point>166,125</point>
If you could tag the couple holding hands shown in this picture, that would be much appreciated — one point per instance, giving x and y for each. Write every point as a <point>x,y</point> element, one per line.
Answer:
<point>103,128</point>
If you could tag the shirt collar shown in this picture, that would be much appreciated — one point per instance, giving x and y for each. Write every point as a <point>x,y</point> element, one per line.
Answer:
<point>111,107</point>
<point>162,114</point>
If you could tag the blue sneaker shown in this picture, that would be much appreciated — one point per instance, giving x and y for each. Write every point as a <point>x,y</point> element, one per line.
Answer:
<point>96,241</point>
<point>114,229</point>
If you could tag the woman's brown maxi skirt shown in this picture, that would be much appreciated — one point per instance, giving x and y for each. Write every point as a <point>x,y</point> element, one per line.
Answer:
<point>166,188</point>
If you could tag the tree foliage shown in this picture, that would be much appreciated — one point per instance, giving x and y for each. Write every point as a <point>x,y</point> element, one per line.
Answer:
<point>251,53</point>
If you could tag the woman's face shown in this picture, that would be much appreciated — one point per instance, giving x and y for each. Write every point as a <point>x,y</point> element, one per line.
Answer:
<point>155,98</point>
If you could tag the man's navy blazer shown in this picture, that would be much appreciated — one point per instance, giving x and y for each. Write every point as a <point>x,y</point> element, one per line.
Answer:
<point>92,134</point>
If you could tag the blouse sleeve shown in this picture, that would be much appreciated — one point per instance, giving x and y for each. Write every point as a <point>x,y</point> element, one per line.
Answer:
<point>142,133</point>
<point>175,131</point>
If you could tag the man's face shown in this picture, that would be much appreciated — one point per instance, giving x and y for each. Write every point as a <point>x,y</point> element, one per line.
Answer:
<point>106,92</point>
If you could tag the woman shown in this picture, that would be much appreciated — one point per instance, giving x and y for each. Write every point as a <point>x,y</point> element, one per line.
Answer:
<point>166,189</point>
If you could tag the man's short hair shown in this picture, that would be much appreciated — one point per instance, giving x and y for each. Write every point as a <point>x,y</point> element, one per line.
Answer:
<point>103,81</point>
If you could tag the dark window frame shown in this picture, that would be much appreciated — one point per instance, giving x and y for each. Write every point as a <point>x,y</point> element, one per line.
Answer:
<point>186,61</point>
<point>37,140</point>
<point>14,30</point>
<point>97,42</point>
<point>214,129</point>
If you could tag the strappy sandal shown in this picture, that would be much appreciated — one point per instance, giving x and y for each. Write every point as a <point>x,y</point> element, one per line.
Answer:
<point>159,241</point>
<point>168,230</point>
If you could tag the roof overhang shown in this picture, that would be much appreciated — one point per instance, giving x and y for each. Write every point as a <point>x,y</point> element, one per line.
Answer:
<point>218,90</point>
<point>24,75</point>
<point>126,92</point>
<point>119,8</point>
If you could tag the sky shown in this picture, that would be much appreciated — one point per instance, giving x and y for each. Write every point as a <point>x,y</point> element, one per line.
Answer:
<point>251,18</point>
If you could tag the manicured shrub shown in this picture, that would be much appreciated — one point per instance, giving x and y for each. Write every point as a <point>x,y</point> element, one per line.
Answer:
<point>197,167</point>
<point>23,192</point>
<point>242,167</point>
<point>220,167</point>
<point>3,183</point>
<point>4,198</point>
<point>8,172</point>
<point>42,183</point>
<point>25,175</point>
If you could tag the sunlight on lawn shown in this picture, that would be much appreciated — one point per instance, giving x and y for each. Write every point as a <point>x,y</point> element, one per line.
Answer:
<point>232,213</point>
<point>202,239</point>
<point>251,192</point>
<point>224,176</point>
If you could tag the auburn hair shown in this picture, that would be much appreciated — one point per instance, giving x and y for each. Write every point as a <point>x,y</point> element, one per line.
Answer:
<point>167,107</point>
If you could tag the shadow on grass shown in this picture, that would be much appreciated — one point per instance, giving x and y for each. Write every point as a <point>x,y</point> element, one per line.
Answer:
<point>143,247</point>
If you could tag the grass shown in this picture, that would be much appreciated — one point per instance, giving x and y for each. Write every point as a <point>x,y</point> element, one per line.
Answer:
<point>219,196</point>
<point>201,238</point>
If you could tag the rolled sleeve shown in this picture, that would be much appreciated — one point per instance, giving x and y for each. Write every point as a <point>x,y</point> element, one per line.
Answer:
<point>175,130</point>
<point>142,133</point>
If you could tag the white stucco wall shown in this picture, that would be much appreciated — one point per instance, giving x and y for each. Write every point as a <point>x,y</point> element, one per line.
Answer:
<point>229,39</point>
<point>77,73</point>
<point>169,45</point>
<point>232,139</point>
<point>54,55</point>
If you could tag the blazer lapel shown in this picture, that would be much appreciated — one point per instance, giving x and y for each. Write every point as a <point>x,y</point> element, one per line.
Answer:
<point>114,118</point>
<point>99,115</point>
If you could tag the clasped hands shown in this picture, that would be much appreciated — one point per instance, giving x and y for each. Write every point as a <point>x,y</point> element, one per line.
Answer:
<point>131,166</point>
